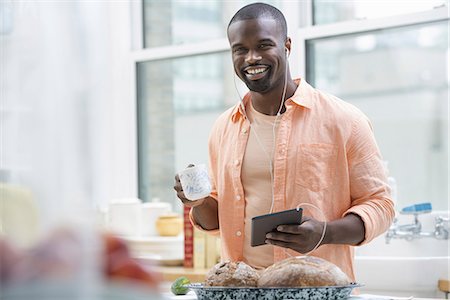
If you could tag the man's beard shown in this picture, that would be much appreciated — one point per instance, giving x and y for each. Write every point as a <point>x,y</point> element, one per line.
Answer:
<point>260,86</point>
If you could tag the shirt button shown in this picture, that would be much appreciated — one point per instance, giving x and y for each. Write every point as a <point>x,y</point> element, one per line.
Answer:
<point>238,233</point>
<point>236,162</point>
<point>238,197</point>
<point>244,130</point>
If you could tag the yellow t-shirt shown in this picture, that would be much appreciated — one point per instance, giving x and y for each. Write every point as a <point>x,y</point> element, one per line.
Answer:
<point>257,182</point>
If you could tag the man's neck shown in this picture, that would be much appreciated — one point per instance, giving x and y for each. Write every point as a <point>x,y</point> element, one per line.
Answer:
<point>269,103</point>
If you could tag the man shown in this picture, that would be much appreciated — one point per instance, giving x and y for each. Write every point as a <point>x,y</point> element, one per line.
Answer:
<point>287,144</point>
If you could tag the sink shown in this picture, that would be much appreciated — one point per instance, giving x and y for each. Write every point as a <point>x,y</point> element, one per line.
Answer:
<point>404,268</point>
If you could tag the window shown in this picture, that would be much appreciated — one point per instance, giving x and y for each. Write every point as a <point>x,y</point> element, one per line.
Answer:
<point>398,78</point>
<point>396,74</point>
<point>326,11</point>
<point>178,101</point>
<point>177,22</point>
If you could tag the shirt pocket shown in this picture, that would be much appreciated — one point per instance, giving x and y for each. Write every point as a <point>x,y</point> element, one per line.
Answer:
<point>315,166</point>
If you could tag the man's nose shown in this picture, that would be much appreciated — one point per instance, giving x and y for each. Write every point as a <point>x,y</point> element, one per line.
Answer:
<point>252,57</point>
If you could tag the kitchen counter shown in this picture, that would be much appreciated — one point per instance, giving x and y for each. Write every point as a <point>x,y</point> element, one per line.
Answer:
<point>379,297</point>
<point>169,274</point>
<point>172,273</point>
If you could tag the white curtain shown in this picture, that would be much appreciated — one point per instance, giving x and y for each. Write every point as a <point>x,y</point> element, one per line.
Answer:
<point>58,93</point>
<point>55,89</point>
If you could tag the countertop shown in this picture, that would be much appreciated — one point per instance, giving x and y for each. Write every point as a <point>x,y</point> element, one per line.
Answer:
<point>169,274</point>
<point>172,273</point>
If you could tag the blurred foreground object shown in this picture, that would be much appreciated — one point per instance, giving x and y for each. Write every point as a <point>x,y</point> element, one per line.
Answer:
<point>119,264</point>
<point>60,262</point>
<point>18,215</point>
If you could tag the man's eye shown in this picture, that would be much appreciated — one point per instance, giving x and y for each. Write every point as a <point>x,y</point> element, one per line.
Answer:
<point>239,50</point>
<point>262,46</point>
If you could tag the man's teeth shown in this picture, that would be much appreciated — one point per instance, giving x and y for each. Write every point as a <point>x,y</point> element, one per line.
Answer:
<point>256,71</point>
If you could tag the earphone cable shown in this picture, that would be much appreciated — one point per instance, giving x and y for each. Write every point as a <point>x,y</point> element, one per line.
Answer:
<point>273,132</point>
<point>273,152</point>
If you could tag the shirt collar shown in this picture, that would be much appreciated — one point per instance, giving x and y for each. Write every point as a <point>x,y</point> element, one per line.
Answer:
<point>303,96</point>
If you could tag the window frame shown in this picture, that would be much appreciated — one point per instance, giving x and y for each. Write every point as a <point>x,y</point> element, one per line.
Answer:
<point>363,26</point>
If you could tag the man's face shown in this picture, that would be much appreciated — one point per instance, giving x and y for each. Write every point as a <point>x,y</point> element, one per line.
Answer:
<point>258,52</point>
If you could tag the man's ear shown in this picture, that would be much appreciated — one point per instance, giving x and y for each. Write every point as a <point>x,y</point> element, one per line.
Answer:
<point>287,44</point>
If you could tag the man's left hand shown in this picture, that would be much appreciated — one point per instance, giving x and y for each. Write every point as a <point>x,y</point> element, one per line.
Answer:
<point>301,238</point>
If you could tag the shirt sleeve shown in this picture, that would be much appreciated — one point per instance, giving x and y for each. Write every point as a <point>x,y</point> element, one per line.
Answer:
<point>196,225</point>
<point>370,192</point>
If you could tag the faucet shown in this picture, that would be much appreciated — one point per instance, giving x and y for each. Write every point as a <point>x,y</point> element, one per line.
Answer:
<point>414,230</point>
<point>440,229</point>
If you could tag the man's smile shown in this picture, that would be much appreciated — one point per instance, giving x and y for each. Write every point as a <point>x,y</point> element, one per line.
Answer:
<point>255,72</point>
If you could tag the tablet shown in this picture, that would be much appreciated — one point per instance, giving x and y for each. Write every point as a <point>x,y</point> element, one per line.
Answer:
<point>262,225</point>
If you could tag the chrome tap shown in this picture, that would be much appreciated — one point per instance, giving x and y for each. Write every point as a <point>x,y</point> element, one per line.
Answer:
<point>414,230</point>
<point>440,228</point>
<point>407,231</point>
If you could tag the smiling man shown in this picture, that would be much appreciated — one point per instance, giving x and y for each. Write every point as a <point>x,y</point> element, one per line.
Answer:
<point>286,145</point>
<point>259,48</point>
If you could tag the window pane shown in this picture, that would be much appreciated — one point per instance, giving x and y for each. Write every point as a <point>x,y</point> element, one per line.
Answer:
<point>177,22</point>
<point>330,11</point>
<point>178,101</point>
<point>399,78</point>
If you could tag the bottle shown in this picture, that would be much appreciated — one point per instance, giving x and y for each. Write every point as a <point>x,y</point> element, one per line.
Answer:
<point>393,185</point>
<point>391,182</point>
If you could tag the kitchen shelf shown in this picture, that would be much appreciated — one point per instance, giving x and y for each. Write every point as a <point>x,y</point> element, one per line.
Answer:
<point>172,273</point>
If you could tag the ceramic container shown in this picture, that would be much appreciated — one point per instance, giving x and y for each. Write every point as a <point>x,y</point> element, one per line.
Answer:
<point>169,225</point>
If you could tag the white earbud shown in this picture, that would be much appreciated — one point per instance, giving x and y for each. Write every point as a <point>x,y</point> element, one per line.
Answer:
<point>287,52</point>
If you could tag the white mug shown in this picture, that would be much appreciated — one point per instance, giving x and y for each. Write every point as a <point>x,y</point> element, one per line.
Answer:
<point>124,216</point>
<point>150,212</point>
<point>195,182</point>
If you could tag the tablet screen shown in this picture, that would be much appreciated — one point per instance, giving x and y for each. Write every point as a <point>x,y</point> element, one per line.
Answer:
<point>261,225</point>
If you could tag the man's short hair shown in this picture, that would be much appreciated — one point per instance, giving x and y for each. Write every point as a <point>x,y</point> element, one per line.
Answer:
<point>260,10</point>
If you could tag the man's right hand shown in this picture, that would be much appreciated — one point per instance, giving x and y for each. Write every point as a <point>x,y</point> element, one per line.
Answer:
<point>180,193</point>
<point>205,210</point>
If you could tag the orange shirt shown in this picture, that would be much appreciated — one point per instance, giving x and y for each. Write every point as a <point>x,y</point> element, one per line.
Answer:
<point>325,154</point>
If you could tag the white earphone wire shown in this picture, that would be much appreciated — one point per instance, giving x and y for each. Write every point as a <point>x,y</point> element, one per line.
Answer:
<point>273,151</point>
<point>273,132</point>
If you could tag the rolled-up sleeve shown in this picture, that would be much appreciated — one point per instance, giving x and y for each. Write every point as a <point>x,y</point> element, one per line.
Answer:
<point>196,225</point>
<point>369,189</point>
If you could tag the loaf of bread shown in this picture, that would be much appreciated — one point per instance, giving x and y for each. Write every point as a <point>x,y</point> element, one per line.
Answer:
<point>302,271</point>
<point>232,274</point>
